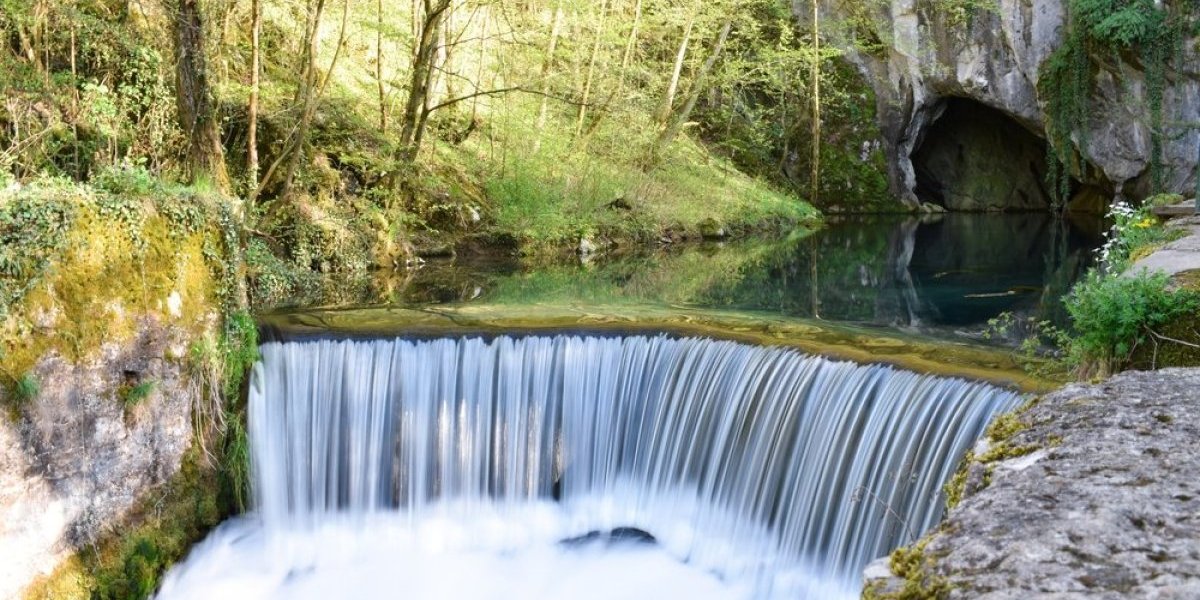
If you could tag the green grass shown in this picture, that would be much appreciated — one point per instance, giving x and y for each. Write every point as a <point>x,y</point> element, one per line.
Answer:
<point>133,395</point>
<point>596,187</point>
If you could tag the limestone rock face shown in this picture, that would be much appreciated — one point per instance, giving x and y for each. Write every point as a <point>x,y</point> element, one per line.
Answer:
<point>76,460</point>
<point>995,58</point>
<point>1107,507</point>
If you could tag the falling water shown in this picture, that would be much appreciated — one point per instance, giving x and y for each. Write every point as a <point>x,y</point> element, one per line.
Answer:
<point>760,472</point>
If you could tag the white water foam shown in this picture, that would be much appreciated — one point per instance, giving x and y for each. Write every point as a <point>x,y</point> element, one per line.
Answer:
<point>428,469</point>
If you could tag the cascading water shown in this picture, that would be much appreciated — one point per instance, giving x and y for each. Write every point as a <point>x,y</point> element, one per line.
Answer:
<point>436,468</point>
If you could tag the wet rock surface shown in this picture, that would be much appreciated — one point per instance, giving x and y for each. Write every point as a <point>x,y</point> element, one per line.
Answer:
<point>1107,506</point>
<point>620,535</point>
<point>76,460</point>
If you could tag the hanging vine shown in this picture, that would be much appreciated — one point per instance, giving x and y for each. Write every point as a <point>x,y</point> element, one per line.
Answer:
<point>1152,33</point>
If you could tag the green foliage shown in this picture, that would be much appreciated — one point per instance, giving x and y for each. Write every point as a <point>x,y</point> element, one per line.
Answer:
<point>33,230</point>
<point>26,389</point>
<point>273,280</point>
<point>1134,231</point>
<point>1112,315</point>
<point>239,351</point>
<point>1098,27</point>
<point>133,395</point>
<point>1120,23</point>
<point>84,93</point>
<point>235,464</point>
<point>1043,348</point>
<point>959,14</point>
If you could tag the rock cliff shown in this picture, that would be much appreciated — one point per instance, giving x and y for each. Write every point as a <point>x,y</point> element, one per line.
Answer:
<point>77,459</point>
<point>927,56</point>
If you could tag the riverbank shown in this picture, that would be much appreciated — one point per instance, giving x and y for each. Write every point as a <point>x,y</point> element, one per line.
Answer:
<point>1086,492</point>
<point>1089,492</point>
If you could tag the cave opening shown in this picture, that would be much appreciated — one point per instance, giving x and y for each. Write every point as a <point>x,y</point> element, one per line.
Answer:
<point>976,158</point>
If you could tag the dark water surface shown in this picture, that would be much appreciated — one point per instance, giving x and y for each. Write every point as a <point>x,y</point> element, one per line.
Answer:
<point>944,275</point>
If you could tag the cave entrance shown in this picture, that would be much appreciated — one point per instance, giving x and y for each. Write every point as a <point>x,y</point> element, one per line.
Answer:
<point>976,158</point>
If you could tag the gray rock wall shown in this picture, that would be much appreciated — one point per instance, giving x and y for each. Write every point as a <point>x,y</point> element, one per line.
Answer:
<point>76,461</point>
<point>995,58</point>
<point>1104,502</point>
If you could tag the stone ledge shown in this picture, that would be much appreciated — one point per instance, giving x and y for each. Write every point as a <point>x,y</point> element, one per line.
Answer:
<point>1110,508</point>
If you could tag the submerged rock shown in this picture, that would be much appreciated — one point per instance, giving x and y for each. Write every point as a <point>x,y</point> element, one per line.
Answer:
<point>619,535</point>
<point>1099,500</point>
<point>712,229</point>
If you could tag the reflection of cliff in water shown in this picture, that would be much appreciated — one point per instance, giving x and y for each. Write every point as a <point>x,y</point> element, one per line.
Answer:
<point>937,273</point>
<point>953,270</point>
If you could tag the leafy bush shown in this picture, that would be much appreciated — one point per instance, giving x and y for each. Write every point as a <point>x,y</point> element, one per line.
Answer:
<point>1121,23</point>
<point>1112,315</point>
<point>33,229</point>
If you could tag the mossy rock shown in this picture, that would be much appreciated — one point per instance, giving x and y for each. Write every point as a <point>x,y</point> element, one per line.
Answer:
<point>1161,200</point>
<point>712,229</point>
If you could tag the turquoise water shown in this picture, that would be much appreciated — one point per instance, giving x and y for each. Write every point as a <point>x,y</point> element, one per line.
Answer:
<point>945,275</point>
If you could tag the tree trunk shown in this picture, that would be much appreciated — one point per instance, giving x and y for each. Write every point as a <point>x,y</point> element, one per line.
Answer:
<point>379,66</point>
<point>547,67</point>
<point>591,70</point>
<point>415,109</point>
<point>252,109</point>
<point>197,117</point>
<point>631,43</point>
<point>815,175</point>
<point>664,113</point>
<point>680,119</point>
<point>306,96</point>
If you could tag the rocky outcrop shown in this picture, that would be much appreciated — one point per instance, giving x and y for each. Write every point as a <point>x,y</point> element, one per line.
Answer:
<point>995,58</point>
<point>78,457</point>
<point>1096,498</point>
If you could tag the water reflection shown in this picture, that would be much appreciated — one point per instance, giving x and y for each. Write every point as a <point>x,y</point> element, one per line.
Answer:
<point>945,275</point>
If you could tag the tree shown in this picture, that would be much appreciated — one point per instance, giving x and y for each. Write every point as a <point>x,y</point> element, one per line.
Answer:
<point>668,103</point>
<point>197,117</point>
<point>815,76</point>
<point>591,70</point>
<point>547,66</point>
<point>680,118</point>
<point>417,109</point>
<point>252,109</point>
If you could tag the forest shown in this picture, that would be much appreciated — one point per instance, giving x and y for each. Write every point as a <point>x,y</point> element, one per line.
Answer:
<point>526,124</point>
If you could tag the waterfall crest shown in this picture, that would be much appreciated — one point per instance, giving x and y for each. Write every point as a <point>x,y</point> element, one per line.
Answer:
<point>744,461</point>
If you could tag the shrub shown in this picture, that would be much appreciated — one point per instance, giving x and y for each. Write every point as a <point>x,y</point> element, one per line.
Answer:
<point>27,389</point>
<point>133,395</point>
<point>1112,315</point>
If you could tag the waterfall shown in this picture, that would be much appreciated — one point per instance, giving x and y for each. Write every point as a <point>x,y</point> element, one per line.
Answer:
<point>770,471</point>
